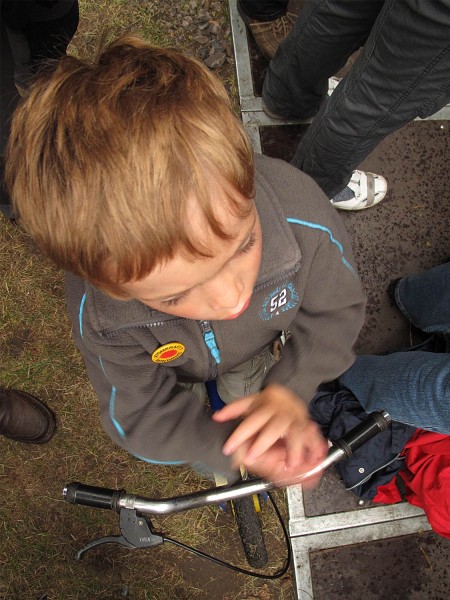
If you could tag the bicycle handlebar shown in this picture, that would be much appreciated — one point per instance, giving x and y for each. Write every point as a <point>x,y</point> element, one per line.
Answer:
<point>78,493</point>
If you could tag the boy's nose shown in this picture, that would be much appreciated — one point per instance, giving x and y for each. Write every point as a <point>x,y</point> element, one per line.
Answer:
<point>226,294</point>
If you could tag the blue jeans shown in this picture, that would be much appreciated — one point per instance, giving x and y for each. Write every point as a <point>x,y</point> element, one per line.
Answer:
<point>414,387</point>
<point>243,380</point>
<point>403,72</point>
<point>424,299</point>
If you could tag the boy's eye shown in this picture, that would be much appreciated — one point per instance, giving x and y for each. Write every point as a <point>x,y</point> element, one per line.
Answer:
<point>173,301</point>
<point>245,248</point>
<point>249,245</point>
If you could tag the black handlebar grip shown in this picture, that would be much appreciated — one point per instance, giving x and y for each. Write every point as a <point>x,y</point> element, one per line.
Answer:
<point>88,495</point>
<point>362,433</point>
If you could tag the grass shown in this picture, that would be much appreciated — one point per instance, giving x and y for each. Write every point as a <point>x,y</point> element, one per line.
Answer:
<point>39,531</point>
<point>160,22</point>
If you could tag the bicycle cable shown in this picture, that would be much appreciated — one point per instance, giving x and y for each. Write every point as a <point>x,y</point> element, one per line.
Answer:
<point>228,565</point>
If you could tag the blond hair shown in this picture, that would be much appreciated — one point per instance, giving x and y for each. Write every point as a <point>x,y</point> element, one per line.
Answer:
<point>104,156</point>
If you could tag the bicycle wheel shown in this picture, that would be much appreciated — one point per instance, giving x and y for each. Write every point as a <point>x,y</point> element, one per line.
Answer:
<point>250,530</point>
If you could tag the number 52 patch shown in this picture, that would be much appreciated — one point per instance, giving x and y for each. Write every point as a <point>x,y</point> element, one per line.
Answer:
<point>278,301</point>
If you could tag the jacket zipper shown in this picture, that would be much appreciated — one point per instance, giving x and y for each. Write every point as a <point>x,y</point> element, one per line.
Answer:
<point>214,352</point>
<point>146,325</point>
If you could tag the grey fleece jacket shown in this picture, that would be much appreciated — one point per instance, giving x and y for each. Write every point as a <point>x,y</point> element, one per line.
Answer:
<point>306,285</point>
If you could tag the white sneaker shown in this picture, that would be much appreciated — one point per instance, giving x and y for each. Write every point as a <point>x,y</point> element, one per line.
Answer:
<point>363,191</point>
<point>333,82</point>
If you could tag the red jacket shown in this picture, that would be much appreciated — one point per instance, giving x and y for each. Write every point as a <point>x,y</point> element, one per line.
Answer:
<point>427,479</point>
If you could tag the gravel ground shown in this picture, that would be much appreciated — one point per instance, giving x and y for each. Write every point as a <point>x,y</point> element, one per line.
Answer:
<point>204,26</point>
<point>210,31</point>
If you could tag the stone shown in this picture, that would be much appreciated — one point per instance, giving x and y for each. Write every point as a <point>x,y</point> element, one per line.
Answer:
<point>216,60</point>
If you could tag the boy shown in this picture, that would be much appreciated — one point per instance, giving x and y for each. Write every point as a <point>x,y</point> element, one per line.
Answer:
<point>187,258</point>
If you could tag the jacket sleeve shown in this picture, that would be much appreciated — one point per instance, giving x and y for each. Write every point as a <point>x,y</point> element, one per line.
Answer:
<point>143,409</point>
<point>331,312</point>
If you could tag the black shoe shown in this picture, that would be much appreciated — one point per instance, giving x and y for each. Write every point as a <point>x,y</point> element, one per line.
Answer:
<point>25,418</point>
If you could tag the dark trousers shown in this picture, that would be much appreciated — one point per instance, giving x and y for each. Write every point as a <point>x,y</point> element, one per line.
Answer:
<point>402,73</point>
<point>9,99</point>
<point>47,30</point>
<point>264,10</point>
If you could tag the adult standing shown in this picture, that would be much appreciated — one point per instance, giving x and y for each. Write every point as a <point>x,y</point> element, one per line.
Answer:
<point>32,32</point>
<point>403,72</point>
<point>413,386</point>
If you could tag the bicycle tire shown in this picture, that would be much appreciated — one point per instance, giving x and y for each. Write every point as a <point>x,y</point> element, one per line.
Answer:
<point>250,531</point>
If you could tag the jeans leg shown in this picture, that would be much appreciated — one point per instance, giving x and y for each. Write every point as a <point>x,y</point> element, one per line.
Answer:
<point>414,387</point>
<point>424,299</point>
<point>264,10</point>
<point>402,73</point>
<point>324,36</point>
<point>198,390</point>
<point>245,379</point>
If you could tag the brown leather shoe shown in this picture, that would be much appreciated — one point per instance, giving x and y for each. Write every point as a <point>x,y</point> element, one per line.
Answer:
<point>268,35</point>
<point>25,418</point>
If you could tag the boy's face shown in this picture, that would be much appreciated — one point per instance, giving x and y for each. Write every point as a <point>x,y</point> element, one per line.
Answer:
<point>203,288</point>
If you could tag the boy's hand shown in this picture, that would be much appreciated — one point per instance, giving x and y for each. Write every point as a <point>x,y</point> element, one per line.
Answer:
<point>276,438</point>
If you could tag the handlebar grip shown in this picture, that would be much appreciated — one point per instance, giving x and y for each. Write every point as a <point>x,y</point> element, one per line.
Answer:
<point>88,495</point>
<point>362,433</point>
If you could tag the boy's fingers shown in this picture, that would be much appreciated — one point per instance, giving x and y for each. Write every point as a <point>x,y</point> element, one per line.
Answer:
<point>292,474</point>
<point>274,464</point>
<point>270,462</point>
<point>238,456</point>
<point>234,410</point>
<point>273,430</point>
<point>307,447</point>
<point>296,452</point>
<point>251,425</point>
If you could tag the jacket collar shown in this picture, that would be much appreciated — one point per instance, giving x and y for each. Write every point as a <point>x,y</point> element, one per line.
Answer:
<point>281,252</point>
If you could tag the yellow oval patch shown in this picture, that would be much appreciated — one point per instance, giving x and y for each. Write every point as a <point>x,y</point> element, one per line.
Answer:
<point>168,352</point>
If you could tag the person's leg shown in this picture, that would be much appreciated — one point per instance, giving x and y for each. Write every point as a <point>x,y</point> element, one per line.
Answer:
<point>264,10</point>
<point>403,72</point>
<point>424,299</point>
<point>413,387</point>
<point>22,50</point>
<point>9,97</point>
<point>245,379</point>
<point>325,35</point>
<point>49,38</point>
<point>25,418</point>
<point>268,21</point>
